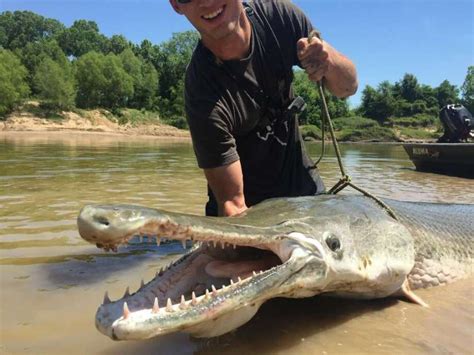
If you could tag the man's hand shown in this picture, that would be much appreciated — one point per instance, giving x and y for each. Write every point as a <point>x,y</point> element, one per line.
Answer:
<point>314,56</point>
<point>322,62</point>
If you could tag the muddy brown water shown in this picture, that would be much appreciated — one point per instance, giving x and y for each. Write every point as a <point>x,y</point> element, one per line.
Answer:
<point>52,282</point>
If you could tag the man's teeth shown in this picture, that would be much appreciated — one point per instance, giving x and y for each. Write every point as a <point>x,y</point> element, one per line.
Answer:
<point>213,14</point>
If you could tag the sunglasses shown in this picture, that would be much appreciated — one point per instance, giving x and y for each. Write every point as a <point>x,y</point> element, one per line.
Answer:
<point>183,1</point>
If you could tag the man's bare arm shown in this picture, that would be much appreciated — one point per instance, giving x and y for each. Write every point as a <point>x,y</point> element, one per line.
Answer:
<point>227,184</point>
<point>323,62</point>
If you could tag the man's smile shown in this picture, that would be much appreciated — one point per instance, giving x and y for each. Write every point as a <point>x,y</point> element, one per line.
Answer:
<point>213,15</point>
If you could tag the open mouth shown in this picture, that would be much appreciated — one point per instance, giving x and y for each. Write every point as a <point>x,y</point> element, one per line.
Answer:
<point>212,279</point>
<point>214,15</point>
<point>219,285</point>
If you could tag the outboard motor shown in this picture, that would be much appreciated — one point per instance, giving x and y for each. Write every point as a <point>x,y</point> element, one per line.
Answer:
<point>457,123</point>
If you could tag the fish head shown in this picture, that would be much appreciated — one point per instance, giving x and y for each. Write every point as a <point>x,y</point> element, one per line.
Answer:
<point>285,247</point>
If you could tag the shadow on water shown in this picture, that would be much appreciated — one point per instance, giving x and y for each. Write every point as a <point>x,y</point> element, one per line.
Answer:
<point>280,325</point>
<point>89,268</point>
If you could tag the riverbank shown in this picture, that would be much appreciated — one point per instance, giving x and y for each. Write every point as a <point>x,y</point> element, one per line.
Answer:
<point>94,122</point>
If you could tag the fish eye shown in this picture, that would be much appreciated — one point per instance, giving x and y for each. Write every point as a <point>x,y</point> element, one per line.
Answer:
<point>333,242</point>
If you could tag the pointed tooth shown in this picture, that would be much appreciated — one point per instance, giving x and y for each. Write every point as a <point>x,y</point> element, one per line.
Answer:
<point>183,243</point>
<point>231,281</point>
<point>214,291</point>
<point>127,292</point>
<point>158,241</point>
<point>261,272</point>
<point>183,302</point>
<point>106,298</point>
<point>207,293</point>
<point>214,243</point>
<point>169,305</point>
<point>254,273</point>
<point>126,311</point>
<point>156,306</point>
<point>239,279</point>
<point>223,245</point>
<point>193,299</point>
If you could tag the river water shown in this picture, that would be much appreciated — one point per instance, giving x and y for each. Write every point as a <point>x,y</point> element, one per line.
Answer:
<point>52,282</point>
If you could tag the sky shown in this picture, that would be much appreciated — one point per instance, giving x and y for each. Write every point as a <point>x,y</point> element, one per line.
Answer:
<point>432,39</point>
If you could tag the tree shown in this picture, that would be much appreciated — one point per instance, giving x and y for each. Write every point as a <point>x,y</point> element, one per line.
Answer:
<point>118,43</point>
<point>118,87</point>
<point>19,28</point>
<point>81,38</point>
<point>409,88</point>
<point>379,104</point>
<point>90,80</point>
<point>55,85</point>
<point>447,94</point>
<point>309,92</point>
<point>35,52</point>
<point>467,90</point>
<point>174,56</point>
<point>13,87</point>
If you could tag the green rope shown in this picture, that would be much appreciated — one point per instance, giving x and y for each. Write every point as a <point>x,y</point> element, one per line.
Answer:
<point>326,119</point>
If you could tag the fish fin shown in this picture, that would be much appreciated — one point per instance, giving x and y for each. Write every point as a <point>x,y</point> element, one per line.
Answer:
<point>406,292</point>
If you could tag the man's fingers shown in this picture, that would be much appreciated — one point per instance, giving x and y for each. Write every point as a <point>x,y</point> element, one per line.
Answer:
<point>319,73</point>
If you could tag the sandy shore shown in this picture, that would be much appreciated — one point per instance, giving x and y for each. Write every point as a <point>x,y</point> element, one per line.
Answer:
<point>26,125</point>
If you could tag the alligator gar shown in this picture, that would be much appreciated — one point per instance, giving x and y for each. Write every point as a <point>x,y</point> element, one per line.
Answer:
<point>287,247</point>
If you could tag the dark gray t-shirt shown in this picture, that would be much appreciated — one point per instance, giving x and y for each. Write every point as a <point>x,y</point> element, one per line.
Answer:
<point>229,122</point>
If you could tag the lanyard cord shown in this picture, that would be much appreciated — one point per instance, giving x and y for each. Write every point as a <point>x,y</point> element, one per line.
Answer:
<point>326,120</point>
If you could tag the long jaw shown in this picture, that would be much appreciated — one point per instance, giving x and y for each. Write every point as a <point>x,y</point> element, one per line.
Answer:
<point>216,287</point>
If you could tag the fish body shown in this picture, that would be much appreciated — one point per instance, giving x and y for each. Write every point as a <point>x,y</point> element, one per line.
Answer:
<point>346,246</point>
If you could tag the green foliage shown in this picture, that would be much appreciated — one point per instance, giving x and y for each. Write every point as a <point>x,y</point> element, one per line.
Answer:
<point>81,38</point>
<point>55,85</point>
<point>417,133</point>
<point>419,120</point>
<point>467,90</point>
<point>309,92</point>
<point>374,134</point>
<point>36,52</point>
<point>353,122</point>
<point>447,94</point>
<point>118,44</point>
<point>310,131</point>
<point>135,117</point>
<point>90,80</point>
<point>13,87</point>
<point>145,80</point>
<point>102,82</point>
<point>378,104</point>
<point>174,56</point>
<point>19,28</point>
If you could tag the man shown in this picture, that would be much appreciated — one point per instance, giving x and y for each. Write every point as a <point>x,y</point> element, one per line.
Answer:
<point>237,92</point>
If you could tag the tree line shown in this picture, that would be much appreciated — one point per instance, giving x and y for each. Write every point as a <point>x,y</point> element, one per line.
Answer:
<point>77,66</point>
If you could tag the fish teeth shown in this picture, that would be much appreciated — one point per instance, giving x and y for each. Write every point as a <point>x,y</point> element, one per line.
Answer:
<point>106,298</point>
<point>126,311</point>
<point>183,243</point>
<point>127,292</point>
<point>193,299</point>
<point>169,305</point>
<point>183,303</point>
<point>156,306</point>
<point>214,290</point>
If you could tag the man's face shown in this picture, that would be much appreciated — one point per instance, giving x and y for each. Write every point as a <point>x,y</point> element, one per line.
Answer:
<point>214,19</point>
